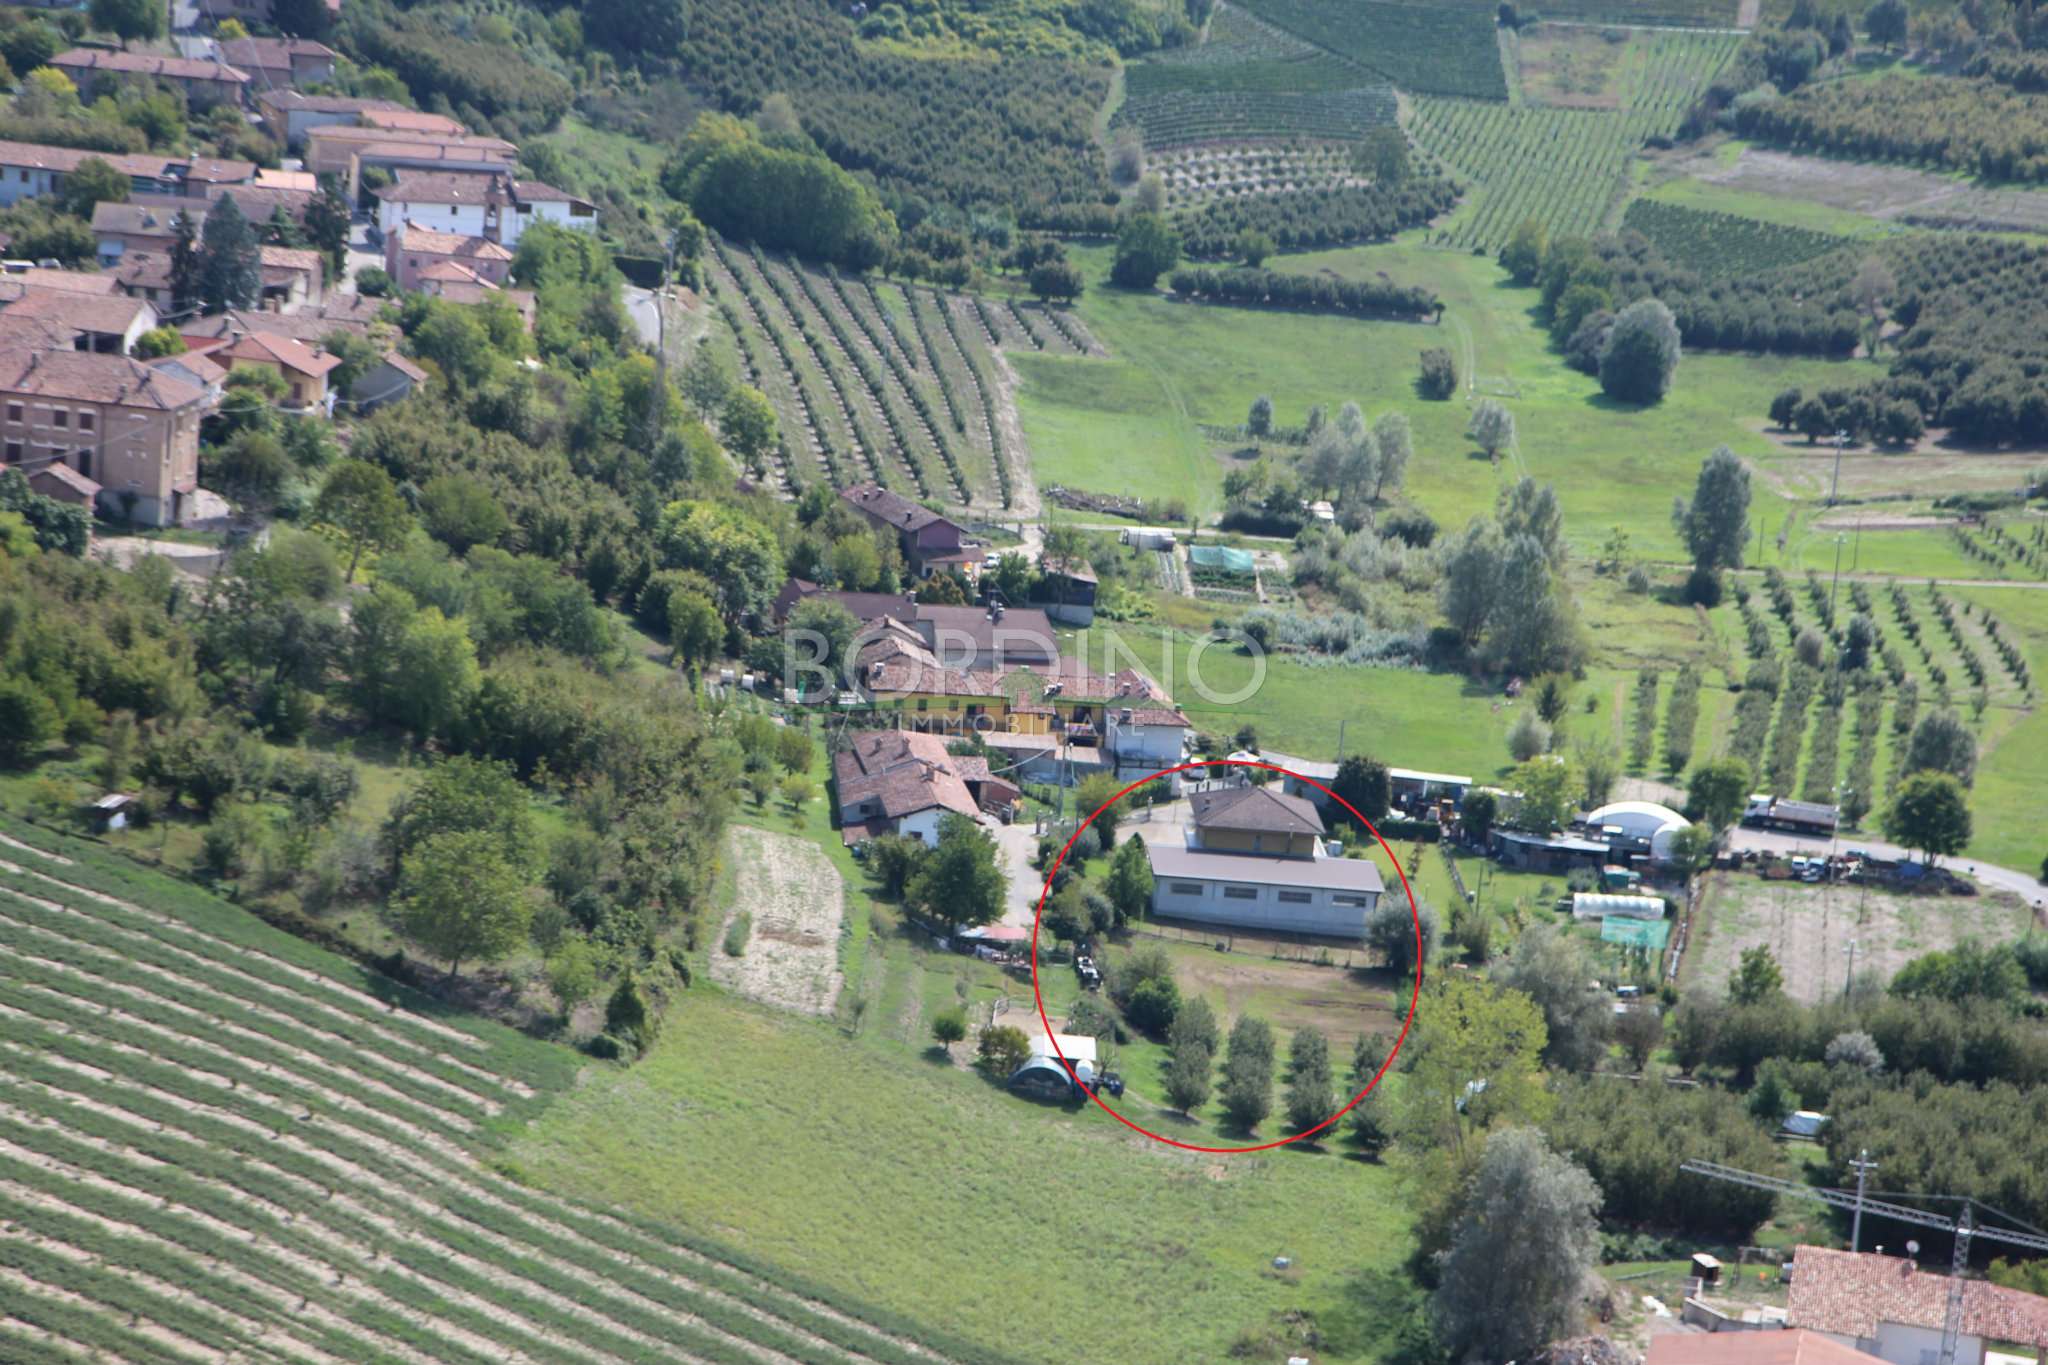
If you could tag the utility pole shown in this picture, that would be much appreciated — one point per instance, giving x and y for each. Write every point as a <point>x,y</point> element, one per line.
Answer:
<point>1863,1166</point>
<point>1841,439</point>
<point>1848,983</point>
<point>1837,584</point>
<point>1340,741</point>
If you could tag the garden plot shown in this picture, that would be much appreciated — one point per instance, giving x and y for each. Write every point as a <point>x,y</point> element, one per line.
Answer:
<point>217,1143</point>
<point>797,901</point>
<point>1809,929</point>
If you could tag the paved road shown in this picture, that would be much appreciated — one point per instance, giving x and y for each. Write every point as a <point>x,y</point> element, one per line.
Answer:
<point>2022,884</point>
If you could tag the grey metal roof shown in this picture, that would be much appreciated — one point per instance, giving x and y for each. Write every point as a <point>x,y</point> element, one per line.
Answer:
<point>1316,874</point>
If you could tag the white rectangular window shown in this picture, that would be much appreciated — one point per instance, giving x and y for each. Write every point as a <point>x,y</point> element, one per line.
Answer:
<point>1185,888</point>
<point>1240,893</point>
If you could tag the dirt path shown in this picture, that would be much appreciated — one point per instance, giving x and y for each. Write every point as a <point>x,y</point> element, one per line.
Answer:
<point>797,902</point>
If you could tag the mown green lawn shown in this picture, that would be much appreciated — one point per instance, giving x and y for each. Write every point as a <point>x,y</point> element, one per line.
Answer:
<point>1053,1234</point>
<point>1130,424</point>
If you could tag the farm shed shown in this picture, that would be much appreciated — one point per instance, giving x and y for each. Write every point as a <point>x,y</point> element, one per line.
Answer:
<point>114,810</point>
<point>1330,897</point>
<point>1804,1123</point>
<point>1543,853</point>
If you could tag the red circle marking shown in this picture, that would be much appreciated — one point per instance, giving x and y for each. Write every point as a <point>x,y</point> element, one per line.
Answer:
<point>1052,1037</point>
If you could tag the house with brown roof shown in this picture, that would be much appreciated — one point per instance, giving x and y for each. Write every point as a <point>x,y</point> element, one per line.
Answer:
<point>149,222</point>
<point>29,170</point>
<point>1256,858</point>
<point>928,538</point>
<point>996,637</point>
<point>291,114</point>
<point>413,249</point>
<point>293,279</point>
<point>205,82</point>
<point>897,782</point>
<point>108,323</point>
<point>349,313</point>
<point>497,207</point>
<point>343,151</point>
<point>279,63</point>
<point>132,429</point>
<point>304,368</point>
<point>1888,1307</point>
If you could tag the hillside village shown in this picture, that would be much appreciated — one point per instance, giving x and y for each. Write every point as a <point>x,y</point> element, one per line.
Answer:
<point>648,646</point>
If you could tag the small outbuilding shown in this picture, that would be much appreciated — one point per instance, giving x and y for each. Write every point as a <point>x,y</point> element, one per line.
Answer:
<point>114,811</point>
<point>1803,1123</point>
<point>1598,905</point>
<point>1638,827</point>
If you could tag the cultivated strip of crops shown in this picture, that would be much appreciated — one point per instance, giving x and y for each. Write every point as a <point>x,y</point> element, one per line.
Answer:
<point>1174,118</point>
<point>1725,243</point>
<point>1564,167</point>
<point>1437,49</point>
<point>218,1143</point>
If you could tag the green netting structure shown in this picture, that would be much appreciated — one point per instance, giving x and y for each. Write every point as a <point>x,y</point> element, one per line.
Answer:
<point>1636,933</point>
<point>1221,558</point>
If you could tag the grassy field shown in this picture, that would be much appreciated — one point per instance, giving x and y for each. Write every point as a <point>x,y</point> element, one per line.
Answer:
<point>219,1142</point>
<point>1131,424</point>
<point>918,1183</point>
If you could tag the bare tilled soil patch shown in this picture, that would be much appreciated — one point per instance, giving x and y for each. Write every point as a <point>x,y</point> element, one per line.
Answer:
<point>795,897</point>
<point>1896,192</point>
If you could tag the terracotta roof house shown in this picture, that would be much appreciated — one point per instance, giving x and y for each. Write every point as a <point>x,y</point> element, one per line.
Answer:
<point>304,368</point>
<point>109,323</point>
<point>412,121</point>
<point>414,249</point>
<point>291,114</point>
<point>1752,1348</point>
<point>132,429</point>
<point>65,484</point>
<point>72,281</point>
<point>204,82</point>
<point>343,150</point>
<point>1888,1307</point>
<point>273,63</point>
<point>29,170</point>
<point>148,222</point>
<point>926,536</point>
<point>293,278</point>
<point>311,326</point>
<point>897,782</point>
<point>496,206</point>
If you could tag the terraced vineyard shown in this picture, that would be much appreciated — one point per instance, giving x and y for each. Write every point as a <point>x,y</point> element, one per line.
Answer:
<point>1564,167</point>
<point>869,383</point>
<point>218,1143</point>
<point>1436,49</point>
<point>1723,243</point>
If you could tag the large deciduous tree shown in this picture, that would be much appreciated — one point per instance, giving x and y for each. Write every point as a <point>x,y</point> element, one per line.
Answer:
<point>1310,1085</point>
<point>1492,427</point>
<point>1942,743</point>
<point>1147,248</point>
<point>1365,784</point>
<point>1714,521</point>
<point>1520,1254</point>
<point>361,502</point>
<point>1930,814</point>
<point>462,900</point>
<point>128,20</point>
<point>1641,354</point>
<point>1551,968</point>
<point>960,883</point>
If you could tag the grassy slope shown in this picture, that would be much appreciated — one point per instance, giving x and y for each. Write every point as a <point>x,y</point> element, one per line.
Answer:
<point>922,1186</point>
<point>1130,424</point>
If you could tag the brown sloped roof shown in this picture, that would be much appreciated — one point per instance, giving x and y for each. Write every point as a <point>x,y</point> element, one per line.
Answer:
<point>1795,1347</point>
<point>1260,809</point>
<point>1849,1293</point>
<point>90,377</point>
<point>902,771</point>
<point>147,64</point>
<point>280,350</point>
<point>893,508</point>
